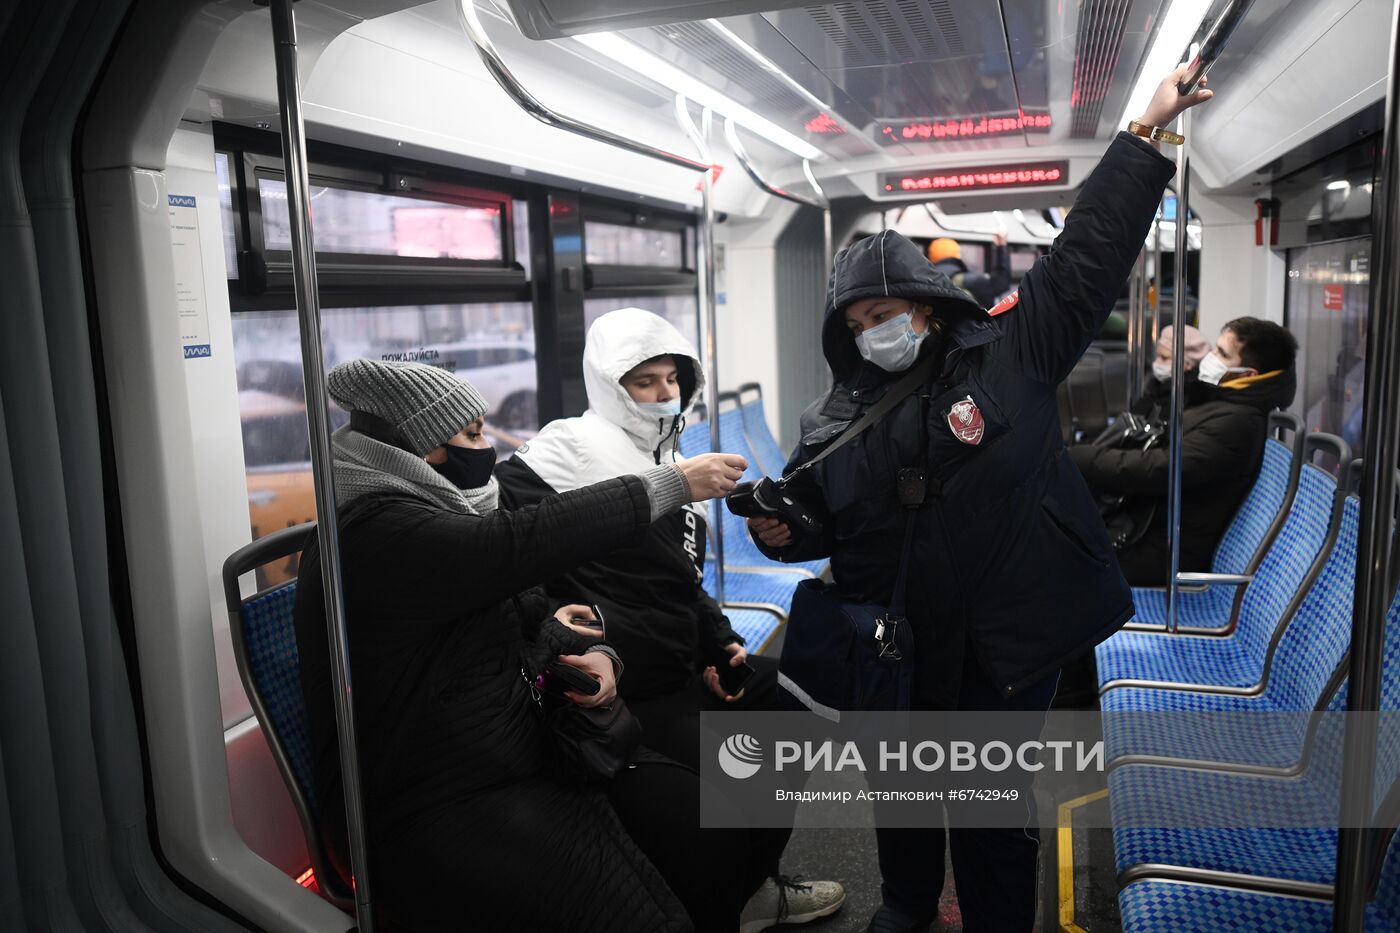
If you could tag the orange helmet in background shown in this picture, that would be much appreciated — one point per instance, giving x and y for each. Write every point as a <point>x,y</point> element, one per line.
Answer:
<point>944,248</point>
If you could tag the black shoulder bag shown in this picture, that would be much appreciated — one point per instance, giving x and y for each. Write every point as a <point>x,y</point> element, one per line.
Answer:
<point>843,655</point>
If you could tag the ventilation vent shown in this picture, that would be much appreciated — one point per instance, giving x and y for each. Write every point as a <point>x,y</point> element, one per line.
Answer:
<point>877,33</point>
<point>1097,46</point>
<point>747,80</point>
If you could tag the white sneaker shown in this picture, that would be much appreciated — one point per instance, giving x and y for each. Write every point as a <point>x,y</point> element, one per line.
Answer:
<point>790,900</point>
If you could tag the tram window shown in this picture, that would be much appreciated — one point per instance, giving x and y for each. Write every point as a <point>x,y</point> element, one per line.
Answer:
<point>226,215</point>
<point>1329,290</point>
<point>974,256</point>
<point>367,222</point>
<point>680,310</point>
<point>490,344</point>
<point>1022,259</point>
<point>618,245</point>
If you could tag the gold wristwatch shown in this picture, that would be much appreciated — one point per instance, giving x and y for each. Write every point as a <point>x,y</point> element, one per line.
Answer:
<point>1155,133</point>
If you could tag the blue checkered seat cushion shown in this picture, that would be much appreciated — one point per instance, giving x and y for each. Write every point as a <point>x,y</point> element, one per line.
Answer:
<point>270,646</point>
<point>1309,651</point>
<point>755,626</point>
<point>1179,907</point>
<point>1182,907</point>
<point>1210,608</point>
<point>1236,660</point>
<point>771,459</point>
<point>695,439</point>
<point>772,589</point>
<point>1223,806</point>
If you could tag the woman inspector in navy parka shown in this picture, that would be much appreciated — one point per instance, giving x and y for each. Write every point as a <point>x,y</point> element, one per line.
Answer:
<point>1011,572</point>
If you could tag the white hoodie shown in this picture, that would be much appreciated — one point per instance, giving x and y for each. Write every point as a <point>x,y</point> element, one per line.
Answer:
<point>614,436</point>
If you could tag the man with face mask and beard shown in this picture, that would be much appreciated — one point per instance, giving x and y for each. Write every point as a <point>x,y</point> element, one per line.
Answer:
<point>641,376</point>
<point>1010,572</point>
<point>1248,374</point>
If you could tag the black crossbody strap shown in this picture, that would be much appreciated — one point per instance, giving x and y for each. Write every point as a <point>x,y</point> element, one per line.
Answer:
<point>897,393</point>
<point>901,582</point>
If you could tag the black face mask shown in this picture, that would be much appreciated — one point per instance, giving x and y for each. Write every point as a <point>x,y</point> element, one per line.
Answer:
<point>467,467</point>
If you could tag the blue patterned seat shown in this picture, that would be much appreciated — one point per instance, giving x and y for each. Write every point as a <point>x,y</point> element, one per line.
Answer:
<point>771,458</point>
<point>1312,647</point>
<point>1236,553</point>
<point>1258,825</point>
<point>1238,659</point>
<point>766,589</point>
<point>270,649</point>
<point>265,647</point>
<point>756,626</point>
<point>1188,907</point>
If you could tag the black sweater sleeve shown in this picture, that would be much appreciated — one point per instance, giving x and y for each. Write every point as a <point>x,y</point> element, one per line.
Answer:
<point>435,564</point>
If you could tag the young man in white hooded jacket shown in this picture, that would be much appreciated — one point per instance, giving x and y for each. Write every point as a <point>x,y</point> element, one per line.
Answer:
<point>641,376</point>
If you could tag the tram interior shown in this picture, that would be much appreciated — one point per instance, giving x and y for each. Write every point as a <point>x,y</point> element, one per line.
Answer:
<point>153,349</point>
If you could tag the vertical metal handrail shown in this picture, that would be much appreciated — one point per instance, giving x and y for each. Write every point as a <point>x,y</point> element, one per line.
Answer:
<point>700,137</point>
<point>1178,393</point>
<point>308,305</point>
<point>827,258</point>
<point>1137,321</point>
<point>1374,586</point>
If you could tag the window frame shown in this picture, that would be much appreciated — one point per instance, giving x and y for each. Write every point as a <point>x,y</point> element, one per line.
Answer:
<point>264,280</point>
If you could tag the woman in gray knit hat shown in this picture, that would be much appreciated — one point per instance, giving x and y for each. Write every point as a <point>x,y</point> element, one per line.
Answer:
<point>470,824</point>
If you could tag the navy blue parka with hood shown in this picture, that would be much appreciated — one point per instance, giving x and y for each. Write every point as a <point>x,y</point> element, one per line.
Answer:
<point>1010,558</point>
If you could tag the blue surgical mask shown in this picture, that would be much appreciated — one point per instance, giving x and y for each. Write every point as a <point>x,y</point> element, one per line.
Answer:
<point>661,410</point>
<point>893,346</point>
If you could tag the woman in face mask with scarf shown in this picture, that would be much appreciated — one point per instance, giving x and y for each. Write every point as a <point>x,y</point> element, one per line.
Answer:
<point>470,820</point>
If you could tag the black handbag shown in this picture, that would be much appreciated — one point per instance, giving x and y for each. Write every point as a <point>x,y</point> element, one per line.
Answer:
<point>592,743</point>
<point>1126,517</point>
<point>845,655</point>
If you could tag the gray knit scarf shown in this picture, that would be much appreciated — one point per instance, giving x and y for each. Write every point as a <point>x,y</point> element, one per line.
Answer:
<point>364,466</point>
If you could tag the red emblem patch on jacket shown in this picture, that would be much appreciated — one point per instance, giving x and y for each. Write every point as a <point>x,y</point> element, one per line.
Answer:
<point>965,421</point>
<point>1006,304</point>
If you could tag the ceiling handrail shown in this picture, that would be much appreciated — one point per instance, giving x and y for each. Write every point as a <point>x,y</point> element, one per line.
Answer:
<point>527,101</point>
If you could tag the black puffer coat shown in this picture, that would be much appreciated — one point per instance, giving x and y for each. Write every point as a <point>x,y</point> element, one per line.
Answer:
<point>1010,558</point>
<point>469,827</point>
<point>1224,429</point>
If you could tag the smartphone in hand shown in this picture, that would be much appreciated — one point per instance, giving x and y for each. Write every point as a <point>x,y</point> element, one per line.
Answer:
<point>595,623</point>
<point>733,679</point>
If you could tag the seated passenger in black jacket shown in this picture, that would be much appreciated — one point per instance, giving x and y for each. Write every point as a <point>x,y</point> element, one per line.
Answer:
<point>1247,375</point>
<point>470,823</point>
<point>641,376</point>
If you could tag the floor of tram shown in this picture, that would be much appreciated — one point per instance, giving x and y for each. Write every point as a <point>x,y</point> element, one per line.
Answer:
<point>849,856</point>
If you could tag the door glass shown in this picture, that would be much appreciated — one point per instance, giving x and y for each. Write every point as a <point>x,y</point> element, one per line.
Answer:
<point>1329,291</point>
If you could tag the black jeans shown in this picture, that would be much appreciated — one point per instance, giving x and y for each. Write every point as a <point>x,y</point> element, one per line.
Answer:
<point>994,869</point>
<point>671,726</point>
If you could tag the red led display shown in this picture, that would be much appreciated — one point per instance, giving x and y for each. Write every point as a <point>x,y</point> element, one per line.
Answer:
<point>974,127</point>
<point>824,124</point>
<point>1025,175</point>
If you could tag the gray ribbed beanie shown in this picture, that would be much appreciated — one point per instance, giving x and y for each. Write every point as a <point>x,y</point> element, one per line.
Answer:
<point>426,404</point>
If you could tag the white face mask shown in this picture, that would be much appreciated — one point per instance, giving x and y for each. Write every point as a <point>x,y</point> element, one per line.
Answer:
<point>1213,369</point>
<point>661,410</point>
<point>1162,370</point>
<point>893,346</point>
